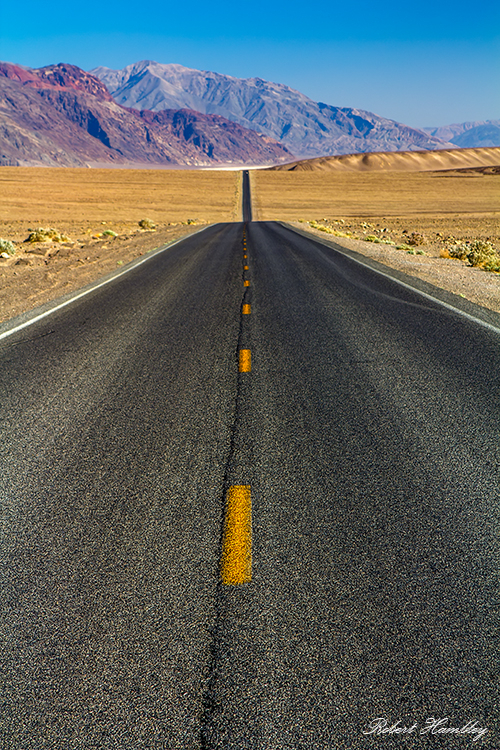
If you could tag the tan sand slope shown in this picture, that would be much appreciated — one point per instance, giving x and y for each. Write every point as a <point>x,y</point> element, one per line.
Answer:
<point>399,161</point>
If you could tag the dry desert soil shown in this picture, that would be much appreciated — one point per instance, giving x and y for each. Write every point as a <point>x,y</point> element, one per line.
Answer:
<point>443,207</point>
<point>84,204</point>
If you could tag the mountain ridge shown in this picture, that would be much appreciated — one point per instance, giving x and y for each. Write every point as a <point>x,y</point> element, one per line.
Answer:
<point>62,116</point>
<point>306,128</point>
<point>485,133</point>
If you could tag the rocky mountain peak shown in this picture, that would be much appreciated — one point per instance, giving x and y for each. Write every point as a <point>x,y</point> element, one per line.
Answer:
<point>60,77</point>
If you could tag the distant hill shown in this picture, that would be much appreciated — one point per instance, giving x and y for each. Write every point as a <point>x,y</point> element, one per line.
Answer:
<point>469,134</point>
<point>305,127</point>
<point>62,116</point>
<point>485,159</point>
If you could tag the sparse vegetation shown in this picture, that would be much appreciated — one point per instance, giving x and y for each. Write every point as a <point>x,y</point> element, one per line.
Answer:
<point>110,233</point>
<point>147,224</point>
<point>416,238</point>
<point>328,230</point>
<point>477,253</point>
<point>47,235</point>
<point>6,246</point>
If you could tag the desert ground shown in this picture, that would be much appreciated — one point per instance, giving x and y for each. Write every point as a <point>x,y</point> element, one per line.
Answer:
<point>91,206</point>
<point>87,205</point>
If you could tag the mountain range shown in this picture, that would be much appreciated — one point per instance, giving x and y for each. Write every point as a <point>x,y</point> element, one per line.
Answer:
<point>62,116</point>
<point>306,128</point>
<point>168,115</point>
<point>469,134</point>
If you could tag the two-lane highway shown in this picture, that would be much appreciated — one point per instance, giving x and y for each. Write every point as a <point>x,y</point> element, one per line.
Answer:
<point>361,430</point>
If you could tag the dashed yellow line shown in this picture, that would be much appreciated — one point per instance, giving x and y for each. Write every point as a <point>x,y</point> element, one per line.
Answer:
<point>245,360</point>
<point>236,563</point>
<point>246,283</point>
<point>245,268</point>
<point>246,310</point>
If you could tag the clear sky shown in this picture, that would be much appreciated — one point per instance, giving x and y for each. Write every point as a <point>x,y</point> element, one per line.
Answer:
<point>431,62</point>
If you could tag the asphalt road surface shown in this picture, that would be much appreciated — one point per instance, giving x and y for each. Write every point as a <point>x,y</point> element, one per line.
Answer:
<point>366,432</point>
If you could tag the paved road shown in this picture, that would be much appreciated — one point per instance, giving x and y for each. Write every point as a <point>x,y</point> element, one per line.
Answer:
<point>368,432</point>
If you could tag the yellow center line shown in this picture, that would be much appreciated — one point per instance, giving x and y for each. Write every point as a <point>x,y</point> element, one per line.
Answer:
<point>246,283</point>
<point>245,361</point>
<point>245,268</point>
<point>246,310</point>
<point>236,562</point>
<point>244,256</point>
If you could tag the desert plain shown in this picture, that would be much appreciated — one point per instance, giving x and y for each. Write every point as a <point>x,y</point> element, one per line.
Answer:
<point>87,205</point>
<point>100,210</point>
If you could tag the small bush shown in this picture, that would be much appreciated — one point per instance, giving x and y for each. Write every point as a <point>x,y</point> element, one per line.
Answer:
<point>147,224</point>
<point>372,238</point>
<point>416,238</point>
<point>328,230</point>
<point>110,233</point>
<point>478,253</point>
<point>6,246</point>
<point>47,235</point>
<point>459,251</point>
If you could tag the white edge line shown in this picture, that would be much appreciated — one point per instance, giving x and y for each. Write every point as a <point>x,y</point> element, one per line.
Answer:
<point>98,286</point>
<point>320,240</point>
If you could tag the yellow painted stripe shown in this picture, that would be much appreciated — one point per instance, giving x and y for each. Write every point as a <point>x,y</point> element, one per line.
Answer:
<point>236,563</point>
<point>246,283</point>
<point>245,268</point>
<point>244,256</point>
<point>246,309</point>
<point>245,364</point>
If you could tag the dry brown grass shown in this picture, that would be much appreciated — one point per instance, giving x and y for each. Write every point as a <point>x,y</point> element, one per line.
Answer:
<point>85,203</point>
<point>293,195</point>
<point>76,200</point>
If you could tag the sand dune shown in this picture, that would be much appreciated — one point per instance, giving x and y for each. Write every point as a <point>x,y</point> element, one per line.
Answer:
<point>400,161</point>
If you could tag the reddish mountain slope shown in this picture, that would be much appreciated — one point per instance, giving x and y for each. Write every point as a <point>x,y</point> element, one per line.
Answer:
<point>62,116</point>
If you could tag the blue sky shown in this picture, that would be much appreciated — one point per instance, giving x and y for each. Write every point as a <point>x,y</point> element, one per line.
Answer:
<point>426,63</point>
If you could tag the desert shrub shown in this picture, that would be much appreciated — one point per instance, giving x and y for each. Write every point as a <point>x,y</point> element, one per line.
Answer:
<point>477,253</point>
<point>147,224</point>
<point>483,254</point>
<point>6,246</point>
<point>460,251</point>
<point>110,233</point>
<point>328,230</point>
<point>47,235</point>
<point>416,238</point>
<point>372,238</point>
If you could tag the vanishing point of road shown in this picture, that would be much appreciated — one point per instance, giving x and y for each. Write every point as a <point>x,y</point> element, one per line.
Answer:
<point>250,500</point>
